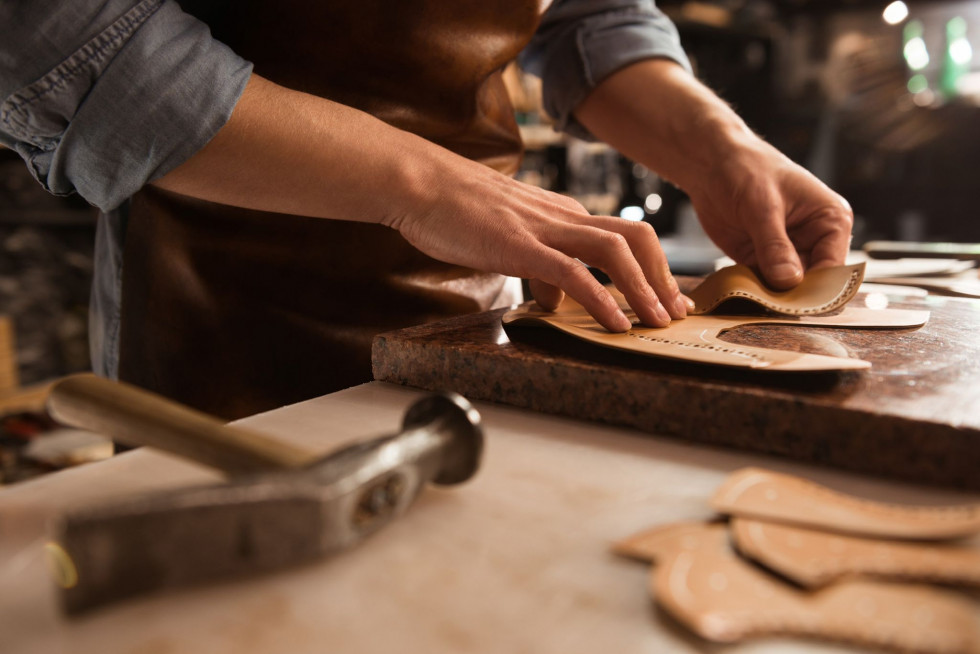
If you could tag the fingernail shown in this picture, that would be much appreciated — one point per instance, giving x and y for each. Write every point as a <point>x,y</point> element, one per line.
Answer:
<point>662,314</point>
<point>785,271</point>
<point>680,306</point>
<point>623,323</point>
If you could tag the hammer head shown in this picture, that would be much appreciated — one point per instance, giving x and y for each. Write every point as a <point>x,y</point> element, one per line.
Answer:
<point>264,521</point>
<point>451,415</point>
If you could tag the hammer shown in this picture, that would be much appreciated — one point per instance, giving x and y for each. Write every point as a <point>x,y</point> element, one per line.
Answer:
<point>282,505</point>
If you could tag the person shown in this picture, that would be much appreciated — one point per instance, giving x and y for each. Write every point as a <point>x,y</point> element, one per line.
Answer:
<point>279,182</point>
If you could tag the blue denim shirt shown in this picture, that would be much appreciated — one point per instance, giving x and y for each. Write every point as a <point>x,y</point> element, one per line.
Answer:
<point>100,97</point>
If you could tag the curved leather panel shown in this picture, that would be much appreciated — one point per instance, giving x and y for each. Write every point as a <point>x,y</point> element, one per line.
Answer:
<point>821,291</point>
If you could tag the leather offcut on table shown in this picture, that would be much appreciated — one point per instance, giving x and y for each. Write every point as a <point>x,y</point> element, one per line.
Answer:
<point>814,559</point>
<point>767,495</point>
<point>705,576</point>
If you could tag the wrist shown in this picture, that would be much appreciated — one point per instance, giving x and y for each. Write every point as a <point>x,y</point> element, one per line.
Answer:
<point>417,177</point>
<point>710,144</point>
<point>658,114</point>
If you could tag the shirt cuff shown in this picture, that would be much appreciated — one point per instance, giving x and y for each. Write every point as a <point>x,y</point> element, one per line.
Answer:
<point>576,49</point>
<point>133,103</point>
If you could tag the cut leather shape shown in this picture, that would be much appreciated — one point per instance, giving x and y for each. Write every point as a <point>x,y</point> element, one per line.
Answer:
<point>953,287</point>
<point>703,583</point>
<point>817,558</point>
<point>821,291</point>
<point>775,497</point>
<point>696,338</point>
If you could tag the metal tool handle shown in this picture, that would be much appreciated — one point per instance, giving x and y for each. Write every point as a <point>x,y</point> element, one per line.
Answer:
<point>137,417</point>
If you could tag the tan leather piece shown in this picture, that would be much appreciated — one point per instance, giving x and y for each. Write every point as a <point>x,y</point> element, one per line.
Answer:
<point>958,287</point>
<point>696,338</point>
<point>658,544</point>
<point>821,291</point>
<point>234,311</point>
<point>703,583</point>
<point>817,558</point>
<point>771,496</point>
<point>706,581</point>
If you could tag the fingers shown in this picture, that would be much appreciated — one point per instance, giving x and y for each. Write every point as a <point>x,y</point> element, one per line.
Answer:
<point>821,235</point>
<point>834,240</point>
<point>777,258</point>
<point>529,232</point>
<point>817,219</point>
<point>545,294</point>
<point>648,252</point>
<point>628,252</point>
<point>779,263</point>
<point>563,272</point>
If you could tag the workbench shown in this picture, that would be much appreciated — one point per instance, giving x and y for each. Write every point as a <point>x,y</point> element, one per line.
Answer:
<point>516,560</point>
<point>913,416</point>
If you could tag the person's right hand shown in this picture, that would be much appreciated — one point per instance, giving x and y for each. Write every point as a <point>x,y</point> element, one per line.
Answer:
<point>473,216</point>
<point>290,152</point>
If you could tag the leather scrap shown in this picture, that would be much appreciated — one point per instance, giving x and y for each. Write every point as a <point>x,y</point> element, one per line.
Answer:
<point>817,558</point>
<point>821,291</point>
<point>955,287</point>
<point>703,583</point>
<point>775,497</point>
<point>814,583</point>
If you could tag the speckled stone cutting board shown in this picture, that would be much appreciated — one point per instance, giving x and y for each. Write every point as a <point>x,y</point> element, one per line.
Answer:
<point>915,415</point>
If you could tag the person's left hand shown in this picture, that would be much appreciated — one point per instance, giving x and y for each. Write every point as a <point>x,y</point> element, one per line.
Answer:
<point>759,207</point>
<point>771,214</point>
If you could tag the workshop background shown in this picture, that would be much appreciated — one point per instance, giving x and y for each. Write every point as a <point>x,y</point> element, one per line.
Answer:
<point>882,101</point>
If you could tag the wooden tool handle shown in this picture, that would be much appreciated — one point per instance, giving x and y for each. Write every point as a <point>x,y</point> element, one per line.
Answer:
<point>137,417</point>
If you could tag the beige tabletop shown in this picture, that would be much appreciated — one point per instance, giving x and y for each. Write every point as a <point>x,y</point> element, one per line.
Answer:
<point>516,560</point>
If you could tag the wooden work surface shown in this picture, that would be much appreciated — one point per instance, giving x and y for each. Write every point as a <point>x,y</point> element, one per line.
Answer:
<point>915,415</point>
<point>516,560</point>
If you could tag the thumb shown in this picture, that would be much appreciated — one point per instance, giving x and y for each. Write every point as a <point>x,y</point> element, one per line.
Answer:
<point>779,263</point>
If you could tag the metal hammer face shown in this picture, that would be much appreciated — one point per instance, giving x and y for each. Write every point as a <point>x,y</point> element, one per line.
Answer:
<point>293,512</point>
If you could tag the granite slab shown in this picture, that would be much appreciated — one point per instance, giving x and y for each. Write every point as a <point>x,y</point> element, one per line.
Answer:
<point>915,415</point>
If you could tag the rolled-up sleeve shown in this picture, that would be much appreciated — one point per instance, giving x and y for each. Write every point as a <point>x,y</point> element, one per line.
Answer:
<point>100,97</point>
<point>581,42</point>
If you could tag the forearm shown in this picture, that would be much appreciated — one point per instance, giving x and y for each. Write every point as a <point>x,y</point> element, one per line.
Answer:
<point>289,152</point>
<point>658,114</point>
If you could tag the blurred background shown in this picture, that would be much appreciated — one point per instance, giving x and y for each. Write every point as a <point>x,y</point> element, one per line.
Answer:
<point>881,100</point>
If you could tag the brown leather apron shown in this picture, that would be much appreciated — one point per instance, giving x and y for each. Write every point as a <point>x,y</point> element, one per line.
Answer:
<point>236,311</point>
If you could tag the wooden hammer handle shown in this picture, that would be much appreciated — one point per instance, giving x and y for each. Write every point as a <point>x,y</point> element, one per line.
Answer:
<point>137,417</point>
